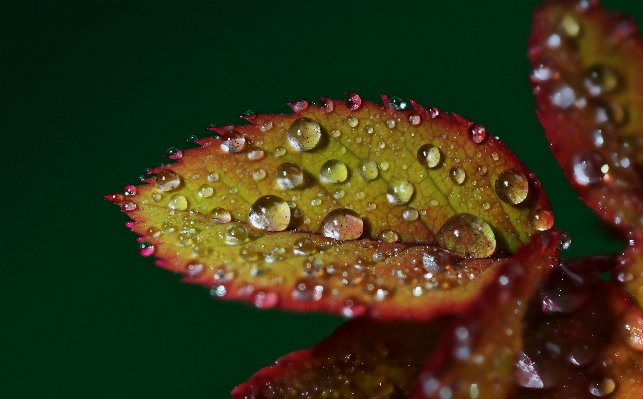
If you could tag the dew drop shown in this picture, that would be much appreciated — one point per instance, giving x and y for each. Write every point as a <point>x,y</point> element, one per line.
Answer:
<point>531,373</point>
<point>632,329</point>
<point>146,249</point>
<point>255,155</point>
<point>233,142</point>
<point>174,153</point>
<point>457,175</point>
<point>367,169</point>
<point>570,26</point>
<point>354,102</point>
<point>588,167</point>
<point>304,246</point>
<point>399,191</point>
<point>495,156</point>
<point>352,121</point>
<point>270,213</point>
<point>397,103</point>
<point>415,120</point>
<point>212,177</point>
<point>389,236</point>
<point>280,151</point>
<point>545,70</point>
<point>434,203</point>
<point>221,215</point>
<point>259,175</point>
<point>580,355</point>
<point>342,224</point>
<point>333,171</point>
<point>335,133</point>
<point>265,299</point>
<point>410,214</point>
<point>564,97</point>
<point>304,134</point>
<point>289,175</point>
<point>467,235</point>
<point>236,235</point>
<point>338,194</point>
<point>602,387</point>
<point>390,123</point>
<point>601,79</point>
<point>477,133</point>
<point>541,219</point>
<point>156,197</point>
<point>429,155</point>
<point>384,165</point>
<point>153,232</point>
<point>167,180</point>
<point>512,186</point>
<point>307,290</point>
<point>178,202</point>
<point>205,191</point>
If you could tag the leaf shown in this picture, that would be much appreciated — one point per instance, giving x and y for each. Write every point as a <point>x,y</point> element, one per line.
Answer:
<point>347,207</point>
<point>589,88</point>
<point>583,338</point>
<point>477,359</point>
<point>380,359</point>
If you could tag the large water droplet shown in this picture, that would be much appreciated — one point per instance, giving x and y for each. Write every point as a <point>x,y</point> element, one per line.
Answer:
<point>236,235</point>
<point>457,175</point>
<point>602,387</point>
<point>367,169</point>
<point>333,171</point>
<point>304,134</point>
<point>342,224</point>
<point>270,213</point>
<point>564,296</point>
<point>588,166</point>
<point>178,202</point>
<point>512,186</point>
<point>601,79</point>
<point>167,180</point>
<point>410,214</point>
<point>399,191</point>
<point>467,235</point>
<point>289,175</point>
<point>429,155</point>
<point>541,219</point>
<point>221,215</point>
<point>233,141</point>
<point>354,102</point>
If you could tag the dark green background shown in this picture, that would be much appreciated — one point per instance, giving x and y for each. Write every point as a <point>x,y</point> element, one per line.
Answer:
<point>93,92</point>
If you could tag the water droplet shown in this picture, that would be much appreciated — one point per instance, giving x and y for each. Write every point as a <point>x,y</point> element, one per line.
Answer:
<point>289,175</point>
<point>206,191</point>
<point>304,246</point>
<point>545,70</point>
<point>580,355</point>
<point>384,165</point>
<point>153,232</point>
<point>338,194</point>
<point>236,235</point>
<point>410,214</point>
<point>415,120</point>
<point>495,156</point>
<point>565,241</point>
<point>270,213</point>
<point>178,202</point>
<point>130,190</point>
<point>541,219</point>
<point>167,180</point>
<point>467,235</point>
<point>429,155</point>
<point>333,171</point>
<point>307,290</point>
<point>156,197</point>
<point>434,202</point>
<point>512,186</point>
<point>265,126</point>
<point>280,151</point>
<point>218,291</point>
<point>389,236</point>
<point>352,121</point>
<point>563,296</point>
<point>146,249</point>
<point>300,105</point>
<point>221,215</point>
<point>436,261</point>
<point>486,206</point>
<point>570,26</point>
<point>390,123</point>
<point>327,105</point>
<point>233,142</point>
<point>212,177</point>
<point>601,79</point>
<point>258,175</point>
<point>588,167</point>
<point>457,175</point>
<point>397,103</point>
<point>564,97</point>
<point>367,169</point>
<point>315,201</point>
<point>265,299</point>
<point>531,373</point>
<point>477,133</point>
<point>399,191</point>
<point>304,134</point>
<point>255,155</point>
<point>354,102</point>
<point>602,387</point>
<point>174,153</point>
<point>632,328</point>
<point>342,224</point>
<point>335,133</point>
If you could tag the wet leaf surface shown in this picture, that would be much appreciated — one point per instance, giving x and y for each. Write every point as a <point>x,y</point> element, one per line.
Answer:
<point>347,206</point>
<point>589,88</point>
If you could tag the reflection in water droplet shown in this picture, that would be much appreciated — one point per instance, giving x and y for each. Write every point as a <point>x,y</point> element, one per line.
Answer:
<point>477,133</point>
<point>342,224</point>
<point>588,167</point>
<point>512,186</point>
<point>289,175</point>
<point>304,134</point>
<point>167,180</point>
<point>333,171</point>
<point>602,387</point>
<point>429,155</point>
<point>236,235</point>
<point>178,202</point>
<point>601,79</point>
<point>206,191</point>
<point>457,175</point>
<point>233,141</point>
<point>270,213</point>
<point>541,219</point>
<point>367,169</point>
<point>220,215</point>
<point>399,191</point>
<point>468,236</point>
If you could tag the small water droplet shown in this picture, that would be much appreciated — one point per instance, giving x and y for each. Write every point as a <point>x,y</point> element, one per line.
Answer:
<point>280,151</point>
<point>327,105</point>
<point>265,299</point>
<point>218,291</point>
<point>367,169</point>
<point>563,97</point>
<point>565,241</point>
<point>399,191</point>
<point>167,180</point>
<point>233,190</point>
<point>457,175</point>
<point>534,372</point>
<point>255,155</point>
<point>315,201</point>
<point>512,186</point>
<point>174,153</point>
<point>338,194</point>
<point>486,206</point>
<point>342,224</point>
<point>545,70</point>
<point>588,167</point>
<point>434,203</point>
<point>258,175</point>
<point>236,235</point>
<point>601,79</point>
<point>333,171</point>
<point>477,133</point>
<point>631,327</point>
<point>384,165</point>
<point>570,26</point>
<point>389,236</point>
<point>233,142</point>
<point>390,123</point>
<point>178,202</point>
<point>270,213</point>
<point>205,191</point>
<point>397,103</point>
<point>212,177</point>
<point>304,246</point>
<point>541,219</point>
<point>221,215</point>
<point>354,102</point>
<point>289,175</point>
<point>415,120</point>
<point>153,232</point>
<point>410,214</point>
<point>352,121</point>
<point>300,105</point>
<point>602,387</point>
<point>308,290</point>
<point>335,133</point>
<point>156,197</point>
<point>495,156</point>
<point>580,355</point>
<point>429,155</point>
<point>146,249</point>
<point>467,235</point>
<point>304,134</point>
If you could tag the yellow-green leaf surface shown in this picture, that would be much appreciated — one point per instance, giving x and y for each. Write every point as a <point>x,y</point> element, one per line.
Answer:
<point>347,207</point>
